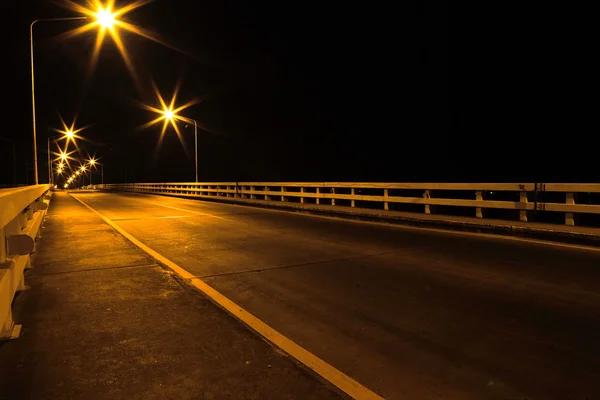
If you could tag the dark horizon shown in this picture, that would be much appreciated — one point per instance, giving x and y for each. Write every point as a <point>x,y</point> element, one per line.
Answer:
<point>303,93</point>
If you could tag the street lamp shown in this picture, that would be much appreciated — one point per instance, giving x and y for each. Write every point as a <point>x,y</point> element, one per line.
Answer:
<point>93,162</point>
<point>168,114</point>
<point>35,163</point>
<point>196,145</point>
<point>107,20</point>
<point>172,117</point>
<point>83,170</point>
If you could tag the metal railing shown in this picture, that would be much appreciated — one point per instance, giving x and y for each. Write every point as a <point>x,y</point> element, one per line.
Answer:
<point>21,213</point>
<point>518,200</point>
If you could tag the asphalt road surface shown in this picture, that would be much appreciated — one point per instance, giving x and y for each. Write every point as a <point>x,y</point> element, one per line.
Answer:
<point>408,313</point>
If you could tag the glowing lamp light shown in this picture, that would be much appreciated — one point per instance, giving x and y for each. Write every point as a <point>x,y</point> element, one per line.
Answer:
<point>105,18</point>
<point>169,114</point>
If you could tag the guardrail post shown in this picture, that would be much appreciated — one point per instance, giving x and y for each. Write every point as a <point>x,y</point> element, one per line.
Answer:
<point>301,197</point>
<point>352,202</point>
<point>282,196</point>
<point>317,198</point>
<point>333,198</point>
<point>478,210</point>
<point>266,195</point>
<point>523,211</point>
<point>427,195</point>
<point>252,197</point>
<point>569,218</point>
<point>386,205</point>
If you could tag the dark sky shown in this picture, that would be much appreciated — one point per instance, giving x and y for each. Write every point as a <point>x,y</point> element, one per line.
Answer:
<point>308,91</point>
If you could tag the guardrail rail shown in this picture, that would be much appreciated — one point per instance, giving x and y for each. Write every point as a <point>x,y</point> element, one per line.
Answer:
<point>517,200</point>
<point>22,210</point>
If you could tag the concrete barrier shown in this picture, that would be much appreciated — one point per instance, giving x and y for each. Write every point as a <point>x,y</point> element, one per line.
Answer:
<point>22,211</point>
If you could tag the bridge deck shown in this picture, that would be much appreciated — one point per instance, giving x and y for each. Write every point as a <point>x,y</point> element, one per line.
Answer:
<point>408,313</point>
<point>102,320</point>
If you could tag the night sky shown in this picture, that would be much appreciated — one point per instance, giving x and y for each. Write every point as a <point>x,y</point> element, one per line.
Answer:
<point>306,91</point>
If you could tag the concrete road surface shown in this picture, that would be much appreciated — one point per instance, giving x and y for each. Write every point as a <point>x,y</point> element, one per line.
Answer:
<point>410,314</point>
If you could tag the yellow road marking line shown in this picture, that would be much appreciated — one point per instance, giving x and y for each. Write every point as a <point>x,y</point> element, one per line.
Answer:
<point>325,370</point>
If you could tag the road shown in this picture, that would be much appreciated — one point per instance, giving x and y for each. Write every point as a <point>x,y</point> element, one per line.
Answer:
<point>408,313</point>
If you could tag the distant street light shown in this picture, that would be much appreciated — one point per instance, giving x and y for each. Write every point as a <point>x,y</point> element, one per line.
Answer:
<point>93,163</point>
<point>168,114</point>
<point>68,134</point>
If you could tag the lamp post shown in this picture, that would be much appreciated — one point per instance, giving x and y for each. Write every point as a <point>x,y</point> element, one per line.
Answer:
<point>50,174</point>
<point>195,145</point>
<point>169,115</point>
<point>35,163</point>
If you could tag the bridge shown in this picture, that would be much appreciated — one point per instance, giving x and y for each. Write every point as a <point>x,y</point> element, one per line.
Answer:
<point>301,290</point>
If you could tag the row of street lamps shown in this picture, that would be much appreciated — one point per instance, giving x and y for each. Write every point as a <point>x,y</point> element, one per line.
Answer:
<point>104,18</point>
<point>80,172</point>
<point>69,134</point>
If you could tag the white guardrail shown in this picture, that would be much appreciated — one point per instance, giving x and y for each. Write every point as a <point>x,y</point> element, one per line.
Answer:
<point>428,198</point>
<point>22,210</point>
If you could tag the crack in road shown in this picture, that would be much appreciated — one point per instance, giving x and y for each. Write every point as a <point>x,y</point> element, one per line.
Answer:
<point>297,265</point>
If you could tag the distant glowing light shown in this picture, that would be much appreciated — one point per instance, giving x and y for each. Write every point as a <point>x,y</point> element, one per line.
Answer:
<point>63,157</point>
<point>69,132</point>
